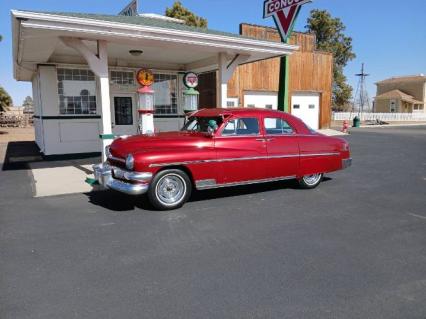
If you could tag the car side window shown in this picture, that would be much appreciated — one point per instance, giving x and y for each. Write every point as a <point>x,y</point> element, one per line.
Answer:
<point>277,126</point>
<point>241,126</point>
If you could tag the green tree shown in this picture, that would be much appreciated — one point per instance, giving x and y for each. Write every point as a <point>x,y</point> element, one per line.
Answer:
<point>28,104</point>
<point>330,37</point>
<point>178,11</point>
<point>5,100</point>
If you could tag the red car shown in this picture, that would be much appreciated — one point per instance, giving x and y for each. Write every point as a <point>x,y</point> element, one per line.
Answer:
<point>220,148</point>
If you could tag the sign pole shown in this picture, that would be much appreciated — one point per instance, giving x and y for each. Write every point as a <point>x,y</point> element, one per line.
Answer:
<point>283,86</point>
<point>285,14</point>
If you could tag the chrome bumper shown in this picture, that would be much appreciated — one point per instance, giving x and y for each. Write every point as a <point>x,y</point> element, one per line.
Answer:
<point>346,163</point>
<point>103,174</point>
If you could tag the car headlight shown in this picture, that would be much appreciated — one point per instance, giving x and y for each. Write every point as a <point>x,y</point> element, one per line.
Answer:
<point>130,162</point>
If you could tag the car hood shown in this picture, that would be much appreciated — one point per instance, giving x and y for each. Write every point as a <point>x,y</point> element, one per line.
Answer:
<point>122,147</point>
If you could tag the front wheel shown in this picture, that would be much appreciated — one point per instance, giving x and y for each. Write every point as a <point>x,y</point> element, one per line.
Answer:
<point>169,189</point>
<point>310,181</point>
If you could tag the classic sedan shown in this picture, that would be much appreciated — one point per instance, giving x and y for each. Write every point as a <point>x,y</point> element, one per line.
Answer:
<point>220,148</point>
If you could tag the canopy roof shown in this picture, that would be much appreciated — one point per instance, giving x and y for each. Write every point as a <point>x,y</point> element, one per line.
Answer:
<point>404,79</point>
<point>166,45</point>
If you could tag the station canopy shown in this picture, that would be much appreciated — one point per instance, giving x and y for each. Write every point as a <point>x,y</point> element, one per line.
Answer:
<point>165,45</point>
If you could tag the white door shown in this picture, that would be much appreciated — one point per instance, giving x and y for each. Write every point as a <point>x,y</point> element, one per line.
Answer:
<point>306,107</point>
<point>266,100</point>
<point>124,116</point>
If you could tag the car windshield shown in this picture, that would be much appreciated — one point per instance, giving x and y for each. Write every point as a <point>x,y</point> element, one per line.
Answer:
<point>202,124</point>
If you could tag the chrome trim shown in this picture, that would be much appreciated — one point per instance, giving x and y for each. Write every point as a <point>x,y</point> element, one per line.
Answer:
<point>242,159</point>
<point>205,183</point>
<point>258,181</point>
<point>319,154</point>
<point>117,159</point>
<point>103,174</point>
<point>346,163</point>
<point>126,188</point>
<point>132,176</point>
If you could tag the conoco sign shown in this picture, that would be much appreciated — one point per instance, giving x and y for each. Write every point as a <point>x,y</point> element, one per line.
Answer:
<point>284,13</point>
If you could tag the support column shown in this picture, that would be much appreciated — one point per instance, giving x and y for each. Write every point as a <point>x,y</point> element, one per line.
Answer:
<point>98,63</point>
<point>227,68</point>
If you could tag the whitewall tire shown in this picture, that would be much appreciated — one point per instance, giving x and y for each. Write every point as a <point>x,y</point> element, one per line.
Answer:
<point>310,181</point>
<point>170,189</point>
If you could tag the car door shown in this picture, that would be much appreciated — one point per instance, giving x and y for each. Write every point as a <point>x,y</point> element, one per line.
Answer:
<point>241,151</point>
<point>282,148</point>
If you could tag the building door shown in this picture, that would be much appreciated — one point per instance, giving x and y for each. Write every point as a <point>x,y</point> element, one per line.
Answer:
<point>124,119</point>
<point>306,106</point>
<point>266,100</point>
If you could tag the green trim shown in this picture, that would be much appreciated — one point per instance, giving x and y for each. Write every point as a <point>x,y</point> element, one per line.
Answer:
<point>68,117</point>
<point>91,181</point>
<point>107,136</point>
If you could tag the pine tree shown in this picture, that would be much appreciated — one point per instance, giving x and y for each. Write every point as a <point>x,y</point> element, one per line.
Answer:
<point>178,11</point>
<point>330,37</point>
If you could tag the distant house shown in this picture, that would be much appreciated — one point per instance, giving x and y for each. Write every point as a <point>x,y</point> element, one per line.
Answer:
<point>406,94</point>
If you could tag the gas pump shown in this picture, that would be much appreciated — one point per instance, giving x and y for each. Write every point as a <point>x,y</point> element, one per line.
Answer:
<point>190,95</point>
<point>146,102</point>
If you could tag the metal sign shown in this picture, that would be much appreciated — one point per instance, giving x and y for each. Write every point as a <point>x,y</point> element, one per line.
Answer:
<point>130,10</point>
<point>284,13</point>
<point>190,80</point>
<point>145,77</point>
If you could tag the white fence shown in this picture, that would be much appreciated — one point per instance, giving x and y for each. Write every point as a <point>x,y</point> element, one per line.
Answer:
<point>386,117</point>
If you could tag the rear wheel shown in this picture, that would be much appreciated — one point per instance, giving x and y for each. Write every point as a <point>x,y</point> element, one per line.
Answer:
<point>169,189</point>
<point>310,181</point>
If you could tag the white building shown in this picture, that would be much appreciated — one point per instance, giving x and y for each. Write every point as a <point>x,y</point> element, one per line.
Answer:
<point>83,68</point>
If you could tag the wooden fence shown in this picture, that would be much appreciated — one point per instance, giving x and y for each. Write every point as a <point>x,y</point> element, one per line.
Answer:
<point>386,117</point>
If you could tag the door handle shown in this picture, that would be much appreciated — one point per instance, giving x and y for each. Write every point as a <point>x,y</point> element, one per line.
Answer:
<point>261,139</point>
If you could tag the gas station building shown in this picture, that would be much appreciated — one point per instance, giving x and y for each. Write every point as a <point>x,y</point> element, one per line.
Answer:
<point>84,69</point>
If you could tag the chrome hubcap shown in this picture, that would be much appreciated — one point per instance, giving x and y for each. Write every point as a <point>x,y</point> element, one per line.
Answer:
<point>312,179</point>
<point>171,189</point>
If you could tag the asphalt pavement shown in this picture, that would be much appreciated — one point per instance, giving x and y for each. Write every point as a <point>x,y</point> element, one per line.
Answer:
<point>353,248</point>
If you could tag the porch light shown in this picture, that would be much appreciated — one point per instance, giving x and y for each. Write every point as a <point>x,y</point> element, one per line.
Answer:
<point>190,100</point>
<point>136,52</point>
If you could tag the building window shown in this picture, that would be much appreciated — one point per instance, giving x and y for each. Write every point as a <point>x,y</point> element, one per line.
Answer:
<point>251,106</point>
<point>77,91</point>
<point>165,88</point>
<point>269,106</point>
<point>296,106</point>
<point>122,77</point>
<point>311,106</point>
<point>392,106</point>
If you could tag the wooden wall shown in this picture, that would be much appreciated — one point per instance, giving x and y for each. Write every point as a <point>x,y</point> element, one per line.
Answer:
<point>310,71</point>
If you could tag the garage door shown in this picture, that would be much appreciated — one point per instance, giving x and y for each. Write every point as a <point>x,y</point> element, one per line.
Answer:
<point>268,100</point>
<point>306,107</point>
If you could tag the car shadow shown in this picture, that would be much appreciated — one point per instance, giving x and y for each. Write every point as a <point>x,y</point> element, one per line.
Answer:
<point>118,202</point>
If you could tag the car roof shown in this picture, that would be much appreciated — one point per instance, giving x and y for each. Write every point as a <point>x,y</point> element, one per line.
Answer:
<point>235,111</point>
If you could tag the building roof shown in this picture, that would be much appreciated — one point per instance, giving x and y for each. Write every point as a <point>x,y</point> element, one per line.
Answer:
<point>404,79</point>
<point>399,95</point>
<point>144,20</point>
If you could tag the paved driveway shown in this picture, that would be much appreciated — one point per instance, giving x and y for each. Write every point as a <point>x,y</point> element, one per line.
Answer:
<point>353,248</point>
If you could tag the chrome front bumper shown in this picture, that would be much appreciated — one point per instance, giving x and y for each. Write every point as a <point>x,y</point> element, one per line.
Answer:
<point>346,163</point>
<point>131,183</point>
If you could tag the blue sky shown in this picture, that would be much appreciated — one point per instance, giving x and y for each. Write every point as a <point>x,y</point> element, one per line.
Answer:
<point>389,36</point>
